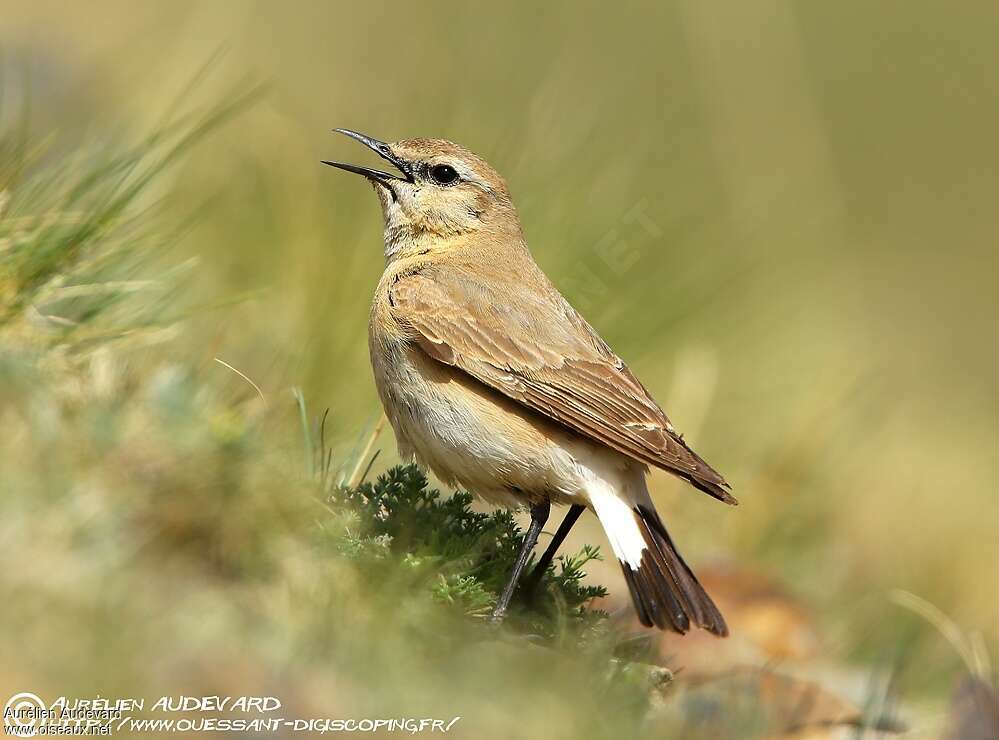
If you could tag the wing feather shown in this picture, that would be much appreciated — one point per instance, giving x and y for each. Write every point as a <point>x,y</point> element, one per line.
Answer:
<point>546,357</point>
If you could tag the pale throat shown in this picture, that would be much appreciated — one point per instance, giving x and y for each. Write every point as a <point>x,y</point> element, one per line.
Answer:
<point>403,238</point>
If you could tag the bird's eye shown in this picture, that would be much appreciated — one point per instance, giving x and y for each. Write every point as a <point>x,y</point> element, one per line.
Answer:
<point>444,174</point>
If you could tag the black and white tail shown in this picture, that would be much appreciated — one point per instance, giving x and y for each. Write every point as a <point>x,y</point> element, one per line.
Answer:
<point>665,592</point>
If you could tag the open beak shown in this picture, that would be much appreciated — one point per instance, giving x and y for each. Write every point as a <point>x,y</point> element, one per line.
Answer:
<point>384,151</point>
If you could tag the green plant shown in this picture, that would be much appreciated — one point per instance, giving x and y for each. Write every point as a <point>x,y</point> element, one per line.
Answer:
<point>465,555</point>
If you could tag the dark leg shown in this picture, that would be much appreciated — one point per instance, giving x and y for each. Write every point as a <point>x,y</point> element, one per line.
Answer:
<point>563,531</point>
<point>539,515</point>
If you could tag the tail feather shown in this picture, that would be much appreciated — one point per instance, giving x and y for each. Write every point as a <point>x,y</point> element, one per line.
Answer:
<point>664,589</point>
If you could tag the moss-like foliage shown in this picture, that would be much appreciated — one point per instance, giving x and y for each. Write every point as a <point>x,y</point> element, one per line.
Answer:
<point>463,556</point>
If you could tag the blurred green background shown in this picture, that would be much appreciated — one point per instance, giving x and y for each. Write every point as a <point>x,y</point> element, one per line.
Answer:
<point>782,215</point>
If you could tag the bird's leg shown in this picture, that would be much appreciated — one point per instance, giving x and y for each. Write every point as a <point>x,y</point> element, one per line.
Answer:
<point>539,515</point>
<point>563,530</point>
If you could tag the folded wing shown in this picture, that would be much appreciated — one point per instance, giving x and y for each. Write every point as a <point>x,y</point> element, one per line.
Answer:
<point>546,357</point>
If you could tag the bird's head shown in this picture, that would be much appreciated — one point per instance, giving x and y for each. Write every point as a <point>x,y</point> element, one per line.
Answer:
<point>442,191</point>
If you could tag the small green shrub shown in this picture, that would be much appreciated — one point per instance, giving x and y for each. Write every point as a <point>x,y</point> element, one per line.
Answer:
<point>465,556</point>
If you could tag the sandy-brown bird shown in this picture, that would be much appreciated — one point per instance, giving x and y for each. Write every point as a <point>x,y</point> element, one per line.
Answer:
<point>492,380</point>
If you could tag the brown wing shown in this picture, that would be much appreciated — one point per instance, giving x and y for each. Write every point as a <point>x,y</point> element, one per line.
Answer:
<point>541,353</point>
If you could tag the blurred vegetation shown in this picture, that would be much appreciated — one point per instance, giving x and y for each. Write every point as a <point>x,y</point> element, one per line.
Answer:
<point>780,214</point>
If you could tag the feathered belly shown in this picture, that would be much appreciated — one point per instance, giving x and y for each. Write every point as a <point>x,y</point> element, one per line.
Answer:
<point>474,437</point>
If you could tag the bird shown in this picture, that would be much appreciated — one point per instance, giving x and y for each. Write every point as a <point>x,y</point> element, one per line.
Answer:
<point>492,380</point>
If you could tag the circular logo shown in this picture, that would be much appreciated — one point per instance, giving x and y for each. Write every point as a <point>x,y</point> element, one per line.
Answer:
<point>23,714</point>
